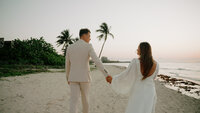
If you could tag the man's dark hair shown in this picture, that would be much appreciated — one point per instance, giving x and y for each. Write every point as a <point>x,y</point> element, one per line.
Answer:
<point>83,31</point>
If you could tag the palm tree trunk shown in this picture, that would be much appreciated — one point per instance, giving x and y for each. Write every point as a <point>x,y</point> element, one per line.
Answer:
<point>63,49</point>
<point>102,47</point>
<point>63,45</point>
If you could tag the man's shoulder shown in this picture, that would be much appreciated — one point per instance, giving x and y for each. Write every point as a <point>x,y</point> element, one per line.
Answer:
<point>81,42</point>
<point>70,46</point>
<point>79,45</point>
<point>74,44</point>
<point>90,45</point>
<point>85,44</point>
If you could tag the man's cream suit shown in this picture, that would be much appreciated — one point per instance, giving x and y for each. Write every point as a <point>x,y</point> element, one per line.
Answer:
<point>78,72</point>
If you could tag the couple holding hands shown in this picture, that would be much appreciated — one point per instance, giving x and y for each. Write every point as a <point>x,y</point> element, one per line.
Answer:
<point>137,79</point>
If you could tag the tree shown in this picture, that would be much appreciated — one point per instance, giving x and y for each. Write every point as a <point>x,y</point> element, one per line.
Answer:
<point>105,32</point>
<point>30,51</point>
<point>104,59</point>
<point>65,39</point>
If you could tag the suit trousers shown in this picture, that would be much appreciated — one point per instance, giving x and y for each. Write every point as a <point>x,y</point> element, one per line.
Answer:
<point>79,89</point>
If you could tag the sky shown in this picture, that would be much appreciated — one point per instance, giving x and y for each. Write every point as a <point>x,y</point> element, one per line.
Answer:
<point>172,27</point>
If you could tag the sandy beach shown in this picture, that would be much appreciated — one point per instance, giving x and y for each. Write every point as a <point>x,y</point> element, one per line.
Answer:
<point>48,92</point>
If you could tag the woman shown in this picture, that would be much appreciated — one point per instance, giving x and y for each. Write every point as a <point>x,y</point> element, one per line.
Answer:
<point>138,81</point>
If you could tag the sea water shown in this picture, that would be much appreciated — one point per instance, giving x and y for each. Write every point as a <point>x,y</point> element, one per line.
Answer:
<point>188,71</point>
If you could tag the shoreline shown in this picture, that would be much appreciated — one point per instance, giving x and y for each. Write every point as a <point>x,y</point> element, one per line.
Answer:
<point>183,86</point>
<point>187,87</point>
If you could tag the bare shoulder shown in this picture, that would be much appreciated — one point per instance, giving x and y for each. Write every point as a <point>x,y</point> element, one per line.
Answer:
<point>154,61</point>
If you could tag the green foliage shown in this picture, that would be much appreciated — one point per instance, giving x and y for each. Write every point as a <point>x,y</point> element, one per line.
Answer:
<point>9,71</point>
<point>65,39</point>
<point>31,51</point>
<point>104,59</point>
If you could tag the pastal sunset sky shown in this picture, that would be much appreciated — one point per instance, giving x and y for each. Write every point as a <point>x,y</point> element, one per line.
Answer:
<point>172,27</point>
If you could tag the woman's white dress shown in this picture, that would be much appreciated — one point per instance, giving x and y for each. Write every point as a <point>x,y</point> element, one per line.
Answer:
<point>143,96</point>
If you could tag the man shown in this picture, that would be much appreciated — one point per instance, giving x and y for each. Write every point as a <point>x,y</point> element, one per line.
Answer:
<point>77,70</point>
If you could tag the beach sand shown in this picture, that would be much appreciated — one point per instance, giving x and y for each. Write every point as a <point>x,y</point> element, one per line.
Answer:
<point>48,92</point>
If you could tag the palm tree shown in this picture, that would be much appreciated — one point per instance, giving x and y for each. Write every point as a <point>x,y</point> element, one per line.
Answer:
<point>105,32</point>
<point>65,39</point>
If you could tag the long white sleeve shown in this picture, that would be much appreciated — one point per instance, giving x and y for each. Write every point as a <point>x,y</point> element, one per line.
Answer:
<point>123,82</point>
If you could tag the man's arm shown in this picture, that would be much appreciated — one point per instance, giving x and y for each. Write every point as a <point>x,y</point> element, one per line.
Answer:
<point>67,65</point>
<point>97,61</point>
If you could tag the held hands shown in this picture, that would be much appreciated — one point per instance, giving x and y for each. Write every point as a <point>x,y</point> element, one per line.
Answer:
<point>109,79</point>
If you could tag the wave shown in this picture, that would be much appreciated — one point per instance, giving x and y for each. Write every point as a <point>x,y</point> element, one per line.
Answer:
<point>184,69</point>
<point>174,73</point>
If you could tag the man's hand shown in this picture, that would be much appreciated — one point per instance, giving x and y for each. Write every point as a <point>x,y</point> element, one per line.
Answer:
<point>109,79</point>
<point>68,82</point>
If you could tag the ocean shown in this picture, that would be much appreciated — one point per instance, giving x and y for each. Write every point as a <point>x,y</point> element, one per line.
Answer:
<point>188,71</point>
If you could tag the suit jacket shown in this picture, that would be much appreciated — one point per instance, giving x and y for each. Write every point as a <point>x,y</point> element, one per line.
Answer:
<point>77,62</point>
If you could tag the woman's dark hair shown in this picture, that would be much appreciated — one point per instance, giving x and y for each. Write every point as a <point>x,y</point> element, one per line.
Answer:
<point>146,59</point>
<point>83,31</point>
